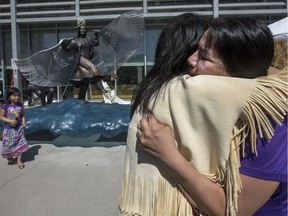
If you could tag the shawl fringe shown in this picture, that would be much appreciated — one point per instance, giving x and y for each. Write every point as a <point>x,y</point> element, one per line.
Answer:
<point>140,202</point>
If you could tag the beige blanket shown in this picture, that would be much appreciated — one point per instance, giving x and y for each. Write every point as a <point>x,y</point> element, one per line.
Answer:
<point>211,116</point>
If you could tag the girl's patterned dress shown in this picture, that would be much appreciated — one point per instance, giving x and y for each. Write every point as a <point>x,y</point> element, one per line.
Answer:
<point>14,142</point>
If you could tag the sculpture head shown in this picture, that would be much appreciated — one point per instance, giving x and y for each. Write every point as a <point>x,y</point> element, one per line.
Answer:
<point>81,26</point>
<point>81,22</point>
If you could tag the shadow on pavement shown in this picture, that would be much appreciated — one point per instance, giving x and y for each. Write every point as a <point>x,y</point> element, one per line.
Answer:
<point>30,154</point>
<point>96,140</point>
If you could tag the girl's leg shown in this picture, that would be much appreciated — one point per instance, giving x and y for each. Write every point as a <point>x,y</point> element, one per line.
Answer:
<point>11,160</point>
<point>19,162</point>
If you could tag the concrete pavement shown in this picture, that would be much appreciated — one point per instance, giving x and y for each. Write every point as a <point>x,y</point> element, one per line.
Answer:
<point>63,181</point>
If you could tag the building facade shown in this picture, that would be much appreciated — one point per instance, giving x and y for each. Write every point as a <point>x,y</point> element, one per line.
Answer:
<point>28,26</point>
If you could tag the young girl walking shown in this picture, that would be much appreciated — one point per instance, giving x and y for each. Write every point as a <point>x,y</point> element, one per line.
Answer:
<point>14,142</point>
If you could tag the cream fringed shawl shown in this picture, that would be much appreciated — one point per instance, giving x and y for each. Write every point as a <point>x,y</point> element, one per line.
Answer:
<point>211,116</point>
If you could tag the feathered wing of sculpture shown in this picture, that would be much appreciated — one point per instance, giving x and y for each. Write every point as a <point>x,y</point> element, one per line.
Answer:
<point>50,67</point>
<point>118,41</point>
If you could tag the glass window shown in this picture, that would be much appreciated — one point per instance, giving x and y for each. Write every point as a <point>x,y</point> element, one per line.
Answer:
<point>128,78</point>
<point>66,33</point>
<point>42,39</point>
<point>24,45</point>
<point>153,34</point>
<point>7,54</point>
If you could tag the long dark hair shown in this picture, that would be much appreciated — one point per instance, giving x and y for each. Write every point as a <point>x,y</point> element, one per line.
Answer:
<point>178,40</point>
<point>12,91</point>
<point>245,45</point>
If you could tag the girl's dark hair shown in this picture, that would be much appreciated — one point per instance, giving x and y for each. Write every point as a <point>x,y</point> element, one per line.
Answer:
<point>245,45</point>
<point>178,40</point>
<point>12,91</point>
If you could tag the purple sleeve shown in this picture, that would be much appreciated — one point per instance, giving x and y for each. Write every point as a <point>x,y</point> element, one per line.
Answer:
<point>4,106</point>
<point>271,162</point>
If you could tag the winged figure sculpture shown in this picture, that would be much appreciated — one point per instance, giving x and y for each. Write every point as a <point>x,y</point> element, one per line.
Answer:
<point>118,41</point>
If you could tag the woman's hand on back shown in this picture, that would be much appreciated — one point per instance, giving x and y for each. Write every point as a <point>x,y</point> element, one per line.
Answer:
<point>156,138</point>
